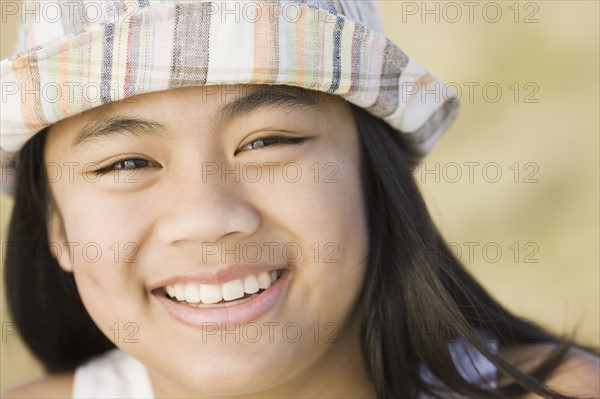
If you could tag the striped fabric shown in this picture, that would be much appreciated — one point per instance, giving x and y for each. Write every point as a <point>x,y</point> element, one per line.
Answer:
<point>75,55</point>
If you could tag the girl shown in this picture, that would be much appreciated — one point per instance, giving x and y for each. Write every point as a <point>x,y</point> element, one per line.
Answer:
<point>206,228</point>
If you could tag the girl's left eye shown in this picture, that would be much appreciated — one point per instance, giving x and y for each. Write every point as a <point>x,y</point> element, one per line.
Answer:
<point>126,164</point>
<point>268,141</point>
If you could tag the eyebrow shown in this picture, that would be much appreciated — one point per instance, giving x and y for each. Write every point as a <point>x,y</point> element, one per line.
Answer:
<point>273,96</point>
<point>281,97</point>
<point>106,126</point>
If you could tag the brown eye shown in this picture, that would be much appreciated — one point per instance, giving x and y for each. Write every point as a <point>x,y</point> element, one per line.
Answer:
<point>126,164</point>
<point>131,164</point>
<point>268,141</point>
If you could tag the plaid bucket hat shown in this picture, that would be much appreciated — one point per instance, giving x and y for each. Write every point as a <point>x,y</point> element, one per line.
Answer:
<point>74,55</point>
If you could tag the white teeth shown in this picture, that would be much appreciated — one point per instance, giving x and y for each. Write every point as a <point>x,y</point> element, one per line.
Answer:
<point>232,290</point>
<point>192,293</point>
<point>180,292</point>
<point>229,291</point>
<point>251,284</point>
<point>171,291</point>
<point>264,280</point>
<point>211,293</point>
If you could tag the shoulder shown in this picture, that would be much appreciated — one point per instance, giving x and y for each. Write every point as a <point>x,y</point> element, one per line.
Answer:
<point>55,386</point>
<point>578,374</point>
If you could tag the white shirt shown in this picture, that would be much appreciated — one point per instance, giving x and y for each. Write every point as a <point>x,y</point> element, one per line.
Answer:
<point>114,374</point>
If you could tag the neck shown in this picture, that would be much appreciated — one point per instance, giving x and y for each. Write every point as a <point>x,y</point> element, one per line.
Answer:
<point>340,372</point>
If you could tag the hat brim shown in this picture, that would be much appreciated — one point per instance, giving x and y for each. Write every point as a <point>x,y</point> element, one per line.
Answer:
<point>168,47</point>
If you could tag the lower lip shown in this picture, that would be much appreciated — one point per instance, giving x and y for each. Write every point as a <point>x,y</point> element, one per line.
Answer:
<point>243,313</point>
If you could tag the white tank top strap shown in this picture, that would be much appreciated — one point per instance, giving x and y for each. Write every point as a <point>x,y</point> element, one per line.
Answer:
<point>114,374</point>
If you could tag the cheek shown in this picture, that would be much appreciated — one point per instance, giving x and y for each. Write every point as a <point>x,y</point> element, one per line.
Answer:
<point>328,213</point>
<point>338,251</point>
<point>111,227</point>
<point>102,245</point>
<point>327,219</point>
<point>111,290</point>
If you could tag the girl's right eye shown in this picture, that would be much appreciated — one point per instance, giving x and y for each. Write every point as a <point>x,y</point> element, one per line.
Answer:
<point>126,164</point>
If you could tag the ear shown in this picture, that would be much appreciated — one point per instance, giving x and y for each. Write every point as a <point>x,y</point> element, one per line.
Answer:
<point>57,240</point>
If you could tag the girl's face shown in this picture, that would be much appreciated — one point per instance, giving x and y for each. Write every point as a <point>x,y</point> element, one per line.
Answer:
<point>217,234</point>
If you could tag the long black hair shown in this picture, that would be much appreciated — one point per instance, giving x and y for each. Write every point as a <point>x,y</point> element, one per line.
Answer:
<point>413,283</point>
<point>42,298</point>
<point>418,298</point>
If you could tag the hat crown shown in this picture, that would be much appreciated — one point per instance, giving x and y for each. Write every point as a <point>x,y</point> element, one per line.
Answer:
<point>45,21</point>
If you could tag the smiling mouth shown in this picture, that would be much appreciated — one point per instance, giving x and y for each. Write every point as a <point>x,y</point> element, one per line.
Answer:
<point>230,293</point>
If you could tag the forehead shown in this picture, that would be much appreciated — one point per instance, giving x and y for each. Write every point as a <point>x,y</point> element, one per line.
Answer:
<point>214,103</point>
<point>208,109</point>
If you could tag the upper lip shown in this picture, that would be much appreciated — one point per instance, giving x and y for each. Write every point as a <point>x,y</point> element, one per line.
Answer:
<point>208,275</point>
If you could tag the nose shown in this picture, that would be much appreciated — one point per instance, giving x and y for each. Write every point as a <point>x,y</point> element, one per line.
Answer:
<point>200,212</point>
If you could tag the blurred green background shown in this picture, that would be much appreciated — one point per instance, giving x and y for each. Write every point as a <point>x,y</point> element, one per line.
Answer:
<point>533,229</point>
